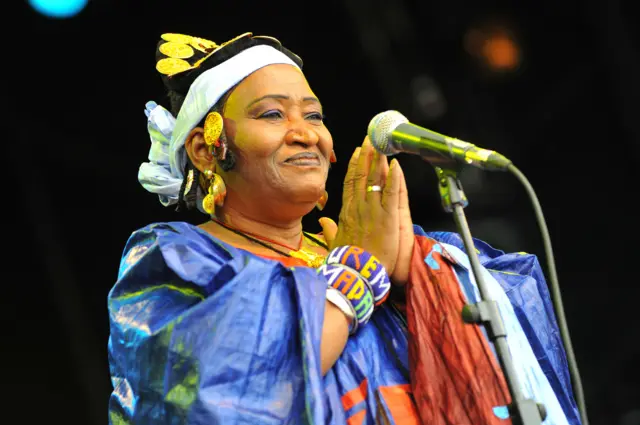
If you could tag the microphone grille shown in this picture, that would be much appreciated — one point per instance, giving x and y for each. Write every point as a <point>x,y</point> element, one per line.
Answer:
<point>380,129</point>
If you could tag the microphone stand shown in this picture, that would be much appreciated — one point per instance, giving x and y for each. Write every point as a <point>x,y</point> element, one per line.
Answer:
<point>522,411</point>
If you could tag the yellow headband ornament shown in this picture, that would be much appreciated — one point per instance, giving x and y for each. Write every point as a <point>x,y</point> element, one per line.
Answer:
<point>178,47</point>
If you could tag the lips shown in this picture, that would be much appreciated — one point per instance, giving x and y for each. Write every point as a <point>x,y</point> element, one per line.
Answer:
<point>304,158</point>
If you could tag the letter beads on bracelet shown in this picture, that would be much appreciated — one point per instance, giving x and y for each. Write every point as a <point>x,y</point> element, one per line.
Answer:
<point>367,265</point>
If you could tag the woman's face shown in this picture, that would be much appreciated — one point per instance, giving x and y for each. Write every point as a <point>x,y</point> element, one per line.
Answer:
<point>273,123</point>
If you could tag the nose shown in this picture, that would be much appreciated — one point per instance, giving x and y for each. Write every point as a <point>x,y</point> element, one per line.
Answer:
<point>300,131</point>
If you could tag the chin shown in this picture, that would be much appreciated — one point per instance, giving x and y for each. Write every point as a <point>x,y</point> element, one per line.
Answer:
<point>297,200</point>
<point>306,191</point>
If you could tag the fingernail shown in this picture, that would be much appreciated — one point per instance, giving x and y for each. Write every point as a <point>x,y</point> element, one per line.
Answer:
<point>356,152</point>
<point>394,163</point>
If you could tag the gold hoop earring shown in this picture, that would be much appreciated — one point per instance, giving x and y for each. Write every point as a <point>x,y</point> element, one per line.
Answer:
<point>213,125</point>
<point>216,193</point>
<point>322,201</point>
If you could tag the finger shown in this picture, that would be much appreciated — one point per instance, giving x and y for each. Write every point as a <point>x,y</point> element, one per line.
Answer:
<point>403,195</point>
<point>362,169</point>
<point>329,230</point>
<point>391,191</point>
<point>348,188</point>
<point>377,175</point>
<point>407,238</point>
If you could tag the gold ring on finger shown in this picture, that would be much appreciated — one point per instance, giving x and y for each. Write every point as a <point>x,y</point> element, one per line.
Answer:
<point>374,188</point>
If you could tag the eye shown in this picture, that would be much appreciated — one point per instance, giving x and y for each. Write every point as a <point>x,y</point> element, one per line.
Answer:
<point>271,114</point>
<point>316,116</point>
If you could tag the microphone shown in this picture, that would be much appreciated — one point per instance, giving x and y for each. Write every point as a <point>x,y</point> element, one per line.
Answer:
<point>391,132</point>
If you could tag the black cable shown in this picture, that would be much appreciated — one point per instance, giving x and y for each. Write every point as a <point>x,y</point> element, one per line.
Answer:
<point>555,292</point>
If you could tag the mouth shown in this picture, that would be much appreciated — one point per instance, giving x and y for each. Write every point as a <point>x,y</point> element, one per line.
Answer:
<point>304,159</point>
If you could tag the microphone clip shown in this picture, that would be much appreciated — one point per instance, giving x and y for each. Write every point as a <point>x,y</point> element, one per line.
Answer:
<point>450,189</point>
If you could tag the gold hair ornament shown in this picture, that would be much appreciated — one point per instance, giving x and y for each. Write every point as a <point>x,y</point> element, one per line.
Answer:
<point>179,47</point>
<point>176,50</point>
<point>171,66</point>
<point>201,44</point>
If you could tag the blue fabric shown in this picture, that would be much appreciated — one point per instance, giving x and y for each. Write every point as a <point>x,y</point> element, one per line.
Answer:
<point>522,280</point>
<point>204,333</point>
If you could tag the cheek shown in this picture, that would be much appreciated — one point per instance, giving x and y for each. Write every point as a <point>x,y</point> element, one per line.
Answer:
<point>327,137</point>
<point>327,140</point>
<point>256,141</point>
<point>230,128</point>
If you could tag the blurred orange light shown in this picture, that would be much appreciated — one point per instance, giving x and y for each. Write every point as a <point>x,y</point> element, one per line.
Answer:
<point>494,45</point>
<point>500,52</point>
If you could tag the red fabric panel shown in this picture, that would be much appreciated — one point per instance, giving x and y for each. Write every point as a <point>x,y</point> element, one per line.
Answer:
<point>454,375</point>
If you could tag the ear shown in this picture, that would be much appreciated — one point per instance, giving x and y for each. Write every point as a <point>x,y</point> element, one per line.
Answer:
<point>197,149</point>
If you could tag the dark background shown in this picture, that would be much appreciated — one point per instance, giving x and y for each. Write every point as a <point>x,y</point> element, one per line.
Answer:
<point>567,115</point>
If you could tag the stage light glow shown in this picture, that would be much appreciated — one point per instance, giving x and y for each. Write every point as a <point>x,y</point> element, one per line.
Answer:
<point>495,46</point>
<point>59,9</point>
<point>501,52</point>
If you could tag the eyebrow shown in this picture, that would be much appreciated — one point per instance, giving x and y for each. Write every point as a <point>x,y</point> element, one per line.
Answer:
<point>281,97</point>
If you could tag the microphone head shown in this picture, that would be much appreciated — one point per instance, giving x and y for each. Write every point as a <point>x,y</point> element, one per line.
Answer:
<point>380,129</point>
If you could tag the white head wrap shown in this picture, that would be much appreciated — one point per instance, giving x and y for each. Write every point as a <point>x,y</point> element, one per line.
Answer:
<point>163,173</point>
